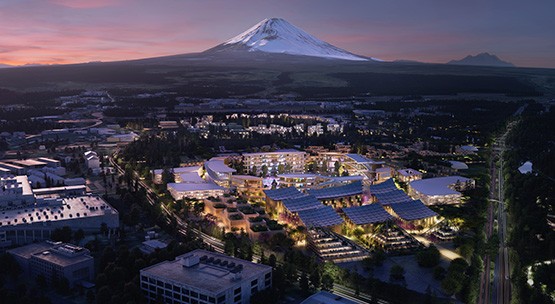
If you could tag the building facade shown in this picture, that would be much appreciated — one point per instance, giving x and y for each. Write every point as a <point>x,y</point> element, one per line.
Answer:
<point>287,160</point>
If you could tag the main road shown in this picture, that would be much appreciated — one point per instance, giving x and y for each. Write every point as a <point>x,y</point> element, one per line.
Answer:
<point>500,293</point>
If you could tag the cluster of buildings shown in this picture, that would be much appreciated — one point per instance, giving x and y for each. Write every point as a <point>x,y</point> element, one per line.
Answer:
<point>329,204</point>
<point>41,172</point>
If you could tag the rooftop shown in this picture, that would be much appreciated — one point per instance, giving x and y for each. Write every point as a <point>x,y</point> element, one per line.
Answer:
<point>50,210</point>
<point>409,172</point>
<point>354,188</point>
<point>325,297</point>
<point>412,210</point>
<point>185,187</point>
<point>191,177</point>
<point>178,170</point>
<point>298,175</point>
<point>438,185</point>
<point>367,214</point>
<point>214,273</point>
<point>283,193</point>
<point>218,166</point>
<point>54,252</point>
<point>392,197</point>
<point>290,151</point>
<point>27,162</point>
<point>324,216</point>
<point>302,203</point>
<point>247,177</point>
<point>387,186</point>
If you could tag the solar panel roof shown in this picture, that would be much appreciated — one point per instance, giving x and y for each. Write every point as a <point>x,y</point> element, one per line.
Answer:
<point>324,216</point>
<point>392,197</point>
<point>302,203</point>
<point>283,193</point>
<point>340,191</point>
<point>386,186</point>
<point>412,210</point>
<point>367,214</point>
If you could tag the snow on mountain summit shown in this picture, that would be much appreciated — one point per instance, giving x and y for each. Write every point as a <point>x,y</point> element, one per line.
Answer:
<point>275,35</point>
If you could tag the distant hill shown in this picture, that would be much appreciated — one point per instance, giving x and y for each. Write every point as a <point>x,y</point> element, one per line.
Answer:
<point>482,59</point>
<point>4,66</point>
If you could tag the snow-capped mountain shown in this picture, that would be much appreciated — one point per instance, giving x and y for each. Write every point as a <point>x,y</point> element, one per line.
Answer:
<point>482,59</point>
<point>275,35</point>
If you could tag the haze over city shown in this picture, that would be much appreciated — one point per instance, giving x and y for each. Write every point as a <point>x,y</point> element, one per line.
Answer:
<point>65,31</point>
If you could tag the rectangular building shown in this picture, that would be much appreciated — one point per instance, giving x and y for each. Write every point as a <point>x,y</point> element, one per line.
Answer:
<point>287,160</point>
<point>204,277</point>
<point>55,260</point>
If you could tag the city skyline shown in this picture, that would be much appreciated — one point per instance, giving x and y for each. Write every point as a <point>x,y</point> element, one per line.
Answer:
<point>62,32</point>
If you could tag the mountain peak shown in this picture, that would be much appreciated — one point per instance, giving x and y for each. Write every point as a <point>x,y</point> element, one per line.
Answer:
<point>276,35</point>
<point>482,59</point>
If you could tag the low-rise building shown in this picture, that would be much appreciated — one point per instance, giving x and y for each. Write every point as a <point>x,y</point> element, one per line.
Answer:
<point>408,175</point>
<point>35,222</point>
<point>53,260</point>
<point>440,190</point>
<point>205,277</point>
<point>196,191</point>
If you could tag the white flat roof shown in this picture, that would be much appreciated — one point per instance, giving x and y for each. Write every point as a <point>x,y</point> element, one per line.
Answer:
<point>57,210</point>
<point>185,187</point>
<point>191,177</point>
<point>324,297</point>
<point>525,168</point>
<point>179,170</point>
<point>409,172</point>
<point>298,175</point>
<point>213,272</point>
<point>218,166</point>
<point>437,185</point>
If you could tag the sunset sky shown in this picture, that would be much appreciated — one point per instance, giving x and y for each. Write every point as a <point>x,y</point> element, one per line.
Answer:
<point>71,31</point>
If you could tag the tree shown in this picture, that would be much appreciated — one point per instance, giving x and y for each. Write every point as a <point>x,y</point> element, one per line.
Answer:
<point>79,235</point>
<point>428,257</point>
<point>167,176</point>
<point>315,279</point>
<point>103,295</point>
<point>272,260</point>
<point>303,281</point>
<point>327,282</point>
<point>281,169</point>
<point>264,170</point>
<point>397,272</point>
<point>63,234</point>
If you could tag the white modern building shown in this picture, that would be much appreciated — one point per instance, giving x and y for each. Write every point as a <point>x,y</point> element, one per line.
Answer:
<point>205,277</point>
<point>92,161</point>
<point>291,160</point>
<point>218,172</point>
<point>440,190</point>
<point>195,190</point>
